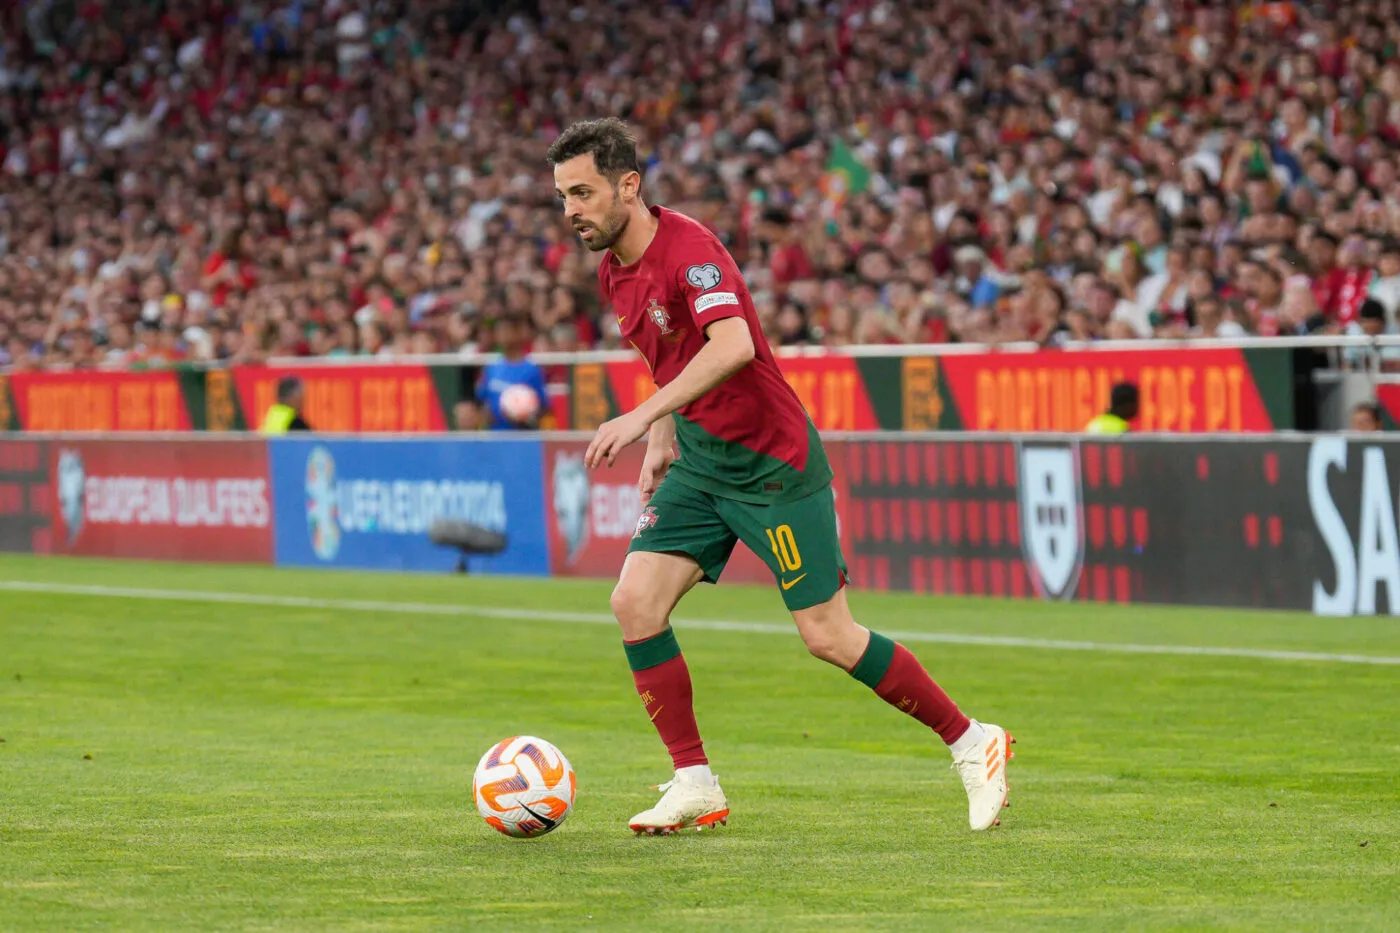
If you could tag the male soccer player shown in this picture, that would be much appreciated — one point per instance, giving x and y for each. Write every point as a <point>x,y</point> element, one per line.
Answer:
<point>751,468</point>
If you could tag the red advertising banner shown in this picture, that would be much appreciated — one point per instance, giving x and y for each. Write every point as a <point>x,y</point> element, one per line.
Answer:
<point>830,387</point>
<point>1181,390</point>
<point>194,500</point>
<point>592,515</point>
<point>349,399</point>
<point>100,401</point>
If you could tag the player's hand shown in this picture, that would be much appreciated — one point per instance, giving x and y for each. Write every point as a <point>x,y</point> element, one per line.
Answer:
<point>612,437</point>
<point>654,468</point>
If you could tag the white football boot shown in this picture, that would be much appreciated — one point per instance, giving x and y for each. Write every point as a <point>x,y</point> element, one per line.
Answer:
<point>983,771</point>
<point>685,801</point>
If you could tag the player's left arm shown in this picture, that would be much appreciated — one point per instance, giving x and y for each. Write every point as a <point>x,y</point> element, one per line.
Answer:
<point>709,283</point>
<point>728,348</point>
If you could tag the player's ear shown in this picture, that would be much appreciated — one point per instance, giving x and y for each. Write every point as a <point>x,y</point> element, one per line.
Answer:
<point>629,185</point>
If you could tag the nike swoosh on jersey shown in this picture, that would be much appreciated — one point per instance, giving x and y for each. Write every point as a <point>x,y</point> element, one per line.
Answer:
<point>789,584</point>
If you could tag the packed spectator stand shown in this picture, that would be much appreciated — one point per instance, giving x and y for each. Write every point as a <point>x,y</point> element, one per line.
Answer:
<point>233,181</point>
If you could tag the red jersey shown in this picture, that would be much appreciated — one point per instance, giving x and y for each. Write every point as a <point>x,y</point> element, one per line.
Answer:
<point>748,438</point>
<point>1327,289</point>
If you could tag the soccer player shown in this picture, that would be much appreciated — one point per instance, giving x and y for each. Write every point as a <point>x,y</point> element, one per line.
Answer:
<point>750,468</point>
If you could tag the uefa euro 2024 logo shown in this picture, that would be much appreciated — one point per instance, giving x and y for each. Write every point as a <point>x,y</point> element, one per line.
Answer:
<point>322,511</point>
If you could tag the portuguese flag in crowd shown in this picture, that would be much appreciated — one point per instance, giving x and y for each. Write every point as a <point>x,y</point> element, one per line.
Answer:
<point>845,175</point>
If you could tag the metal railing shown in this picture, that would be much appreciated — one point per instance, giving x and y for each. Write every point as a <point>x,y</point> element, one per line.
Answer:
<point>1366,349</point>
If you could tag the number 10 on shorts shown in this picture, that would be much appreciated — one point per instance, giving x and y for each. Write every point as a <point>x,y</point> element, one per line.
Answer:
<point>784,547</point>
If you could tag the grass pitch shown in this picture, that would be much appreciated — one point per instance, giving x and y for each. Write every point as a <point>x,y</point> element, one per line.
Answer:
<point>182,764</point>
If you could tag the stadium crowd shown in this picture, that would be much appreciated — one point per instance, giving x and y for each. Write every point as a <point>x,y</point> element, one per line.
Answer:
<point>216,179</point>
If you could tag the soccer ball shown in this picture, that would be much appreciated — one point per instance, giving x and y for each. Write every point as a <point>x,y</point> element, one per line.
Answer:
<point>524,787</point>
<point>520,404</point>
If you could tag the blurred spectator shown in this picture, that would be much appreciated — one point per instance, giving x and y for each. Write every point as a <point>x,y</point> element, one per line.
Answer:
<point>791,324</point>
<point>512,372</point>
<point>1366,416</point>
<point>285,414</point>
<point>1385,287</point>
<point>1372,321</point>
<point>1211,322</point>
<point>466,416</point>
<point>1122,409</point>
<point>214,180</point>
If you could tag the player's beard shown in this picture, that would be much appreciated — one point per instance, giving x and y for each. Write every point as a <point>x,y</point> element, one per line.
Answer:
<point>607,232</point>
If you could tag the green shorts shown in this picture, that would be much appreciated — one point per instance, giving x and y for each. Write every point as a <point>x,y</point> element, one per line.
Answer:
<point>798,540</point>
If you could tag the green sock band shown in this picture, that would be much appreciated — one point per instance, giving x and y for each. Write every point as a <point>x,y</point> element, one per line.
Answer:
<point>658,649</point>
<point>871,667</point>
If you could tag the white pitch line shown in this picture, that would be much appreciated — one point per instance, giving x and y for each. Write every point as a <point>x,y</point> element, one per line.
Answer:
<point>713,625</point>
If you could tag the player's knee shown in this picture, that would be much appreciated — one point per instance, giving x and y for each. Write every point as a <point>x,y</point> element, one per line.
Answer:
<point>821,634</point>
<point>636,611</point>
<point>830,633</point>
<point>625,603</point>
<point>822,643</point>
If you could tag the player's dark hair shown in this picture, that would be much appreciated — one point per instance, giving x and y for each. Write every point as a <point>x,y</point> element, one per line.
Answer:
<point>609,141</point>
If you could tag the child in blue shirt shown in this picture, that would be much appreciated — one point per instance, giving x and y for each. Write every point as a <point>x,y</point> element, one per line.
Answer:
<point>513,336</point>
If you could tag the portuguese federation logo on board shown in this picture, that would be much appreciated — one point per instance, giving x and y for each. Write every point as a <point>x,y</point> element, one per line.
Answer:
<point>1052,530</point>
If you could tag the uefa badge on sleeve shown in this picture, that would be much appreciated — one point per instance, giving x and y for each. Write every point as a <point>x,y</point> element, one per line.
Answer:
<point>703,277</point>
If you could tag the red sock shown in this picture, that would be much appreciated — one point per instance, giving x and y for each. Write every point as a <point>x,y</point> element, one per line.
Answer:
<point>667,696</point>
<point>900,680</point>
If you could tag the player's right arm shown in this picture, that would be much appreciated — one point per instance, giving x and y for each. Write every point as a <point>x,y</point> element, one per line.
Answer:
<point>661,453</point>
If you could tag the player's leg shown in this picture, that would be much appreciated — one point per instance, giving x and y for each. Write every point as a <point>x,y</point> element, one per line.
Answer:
<point>679,542</point>
<point>800,543</point>
<point>980,751</point>
<point>647,591</point>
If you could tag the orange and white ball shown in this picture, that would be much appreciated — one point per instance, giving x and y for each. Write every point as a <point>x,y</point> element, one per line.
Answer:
<point>520,404</point>
<point>524,787</point>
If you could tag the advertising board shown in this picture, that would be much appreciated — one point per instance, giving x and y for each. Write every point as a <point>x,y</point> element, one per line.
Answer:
<point>193,500</point>
<point>370,503</point>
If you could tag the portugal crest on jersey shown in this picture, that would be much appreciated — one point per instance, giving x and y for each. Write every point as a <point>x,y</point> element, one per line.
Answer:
<point>659,316</point>
<point>644,521</point>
